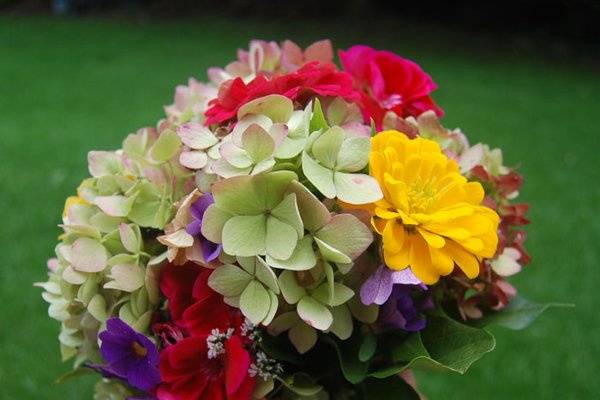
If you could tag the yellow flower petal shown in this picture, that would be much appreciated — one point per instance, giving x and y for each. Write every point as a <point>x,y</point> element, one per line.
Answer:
<point>430,217</point>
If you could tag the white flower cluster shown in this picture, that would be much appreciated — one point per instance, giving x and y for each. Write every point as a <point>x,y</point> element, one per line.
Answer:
<point>265,367</point>
<point>215,342</point>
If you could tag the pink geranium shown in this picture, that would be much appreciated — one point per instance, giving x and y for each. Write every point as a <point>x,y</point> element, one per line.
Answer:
<point>389,82</point>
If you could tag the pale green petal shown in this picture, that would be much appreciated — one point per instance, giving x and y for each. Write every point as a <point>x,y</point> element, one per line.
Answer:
<point>255,302</point>
<point>126,277</point>
<point>166,146</point>
<point>332,254</point>
<point>347,234</point>
<point>238,195</point>
<point>235,155</point>
<point>314,213</point>
<point>281,239</point>
<point>266,275</point>
<point>354,154</point>
<point>88,255</point>
<point>272,309</point>
<point>277,107</point>
<point>291,291</point>
<point>342,322</point>
<point>283,322</point>
<point>115,206</point>
<point>287,211</point>
<point>357,188</point>
<point>226,170</point>
<point>319,176</point>
<point>302,259</point>
<point>212,223</point>
<point>314,313</point>
<point>327,147</point>
<point>229,280</point>
<point>303,337</point>
<point>258,144</point>
<point>245,235</point>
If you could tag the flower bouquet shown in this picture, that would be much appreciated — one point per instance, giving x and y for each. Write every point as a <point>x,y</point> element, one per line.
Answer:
<point>290,230</point>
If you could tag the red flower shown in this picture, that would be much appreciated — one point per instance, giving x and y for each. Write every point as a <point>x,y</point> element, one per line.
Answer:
<point>188,374</point>
<point>389,83</point>
<point>177,285</point>
<point>314,78</point>
<point>187,371</point>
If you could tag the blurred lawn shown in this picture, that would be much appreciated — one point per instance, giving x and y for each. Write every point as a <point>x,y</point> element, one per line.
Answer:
<point>67,87</point>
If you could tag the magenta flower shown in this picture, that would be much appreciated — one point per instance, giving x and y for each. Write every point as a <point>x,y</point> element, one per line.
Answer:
<point>129,355</point>
<point>210,250</point>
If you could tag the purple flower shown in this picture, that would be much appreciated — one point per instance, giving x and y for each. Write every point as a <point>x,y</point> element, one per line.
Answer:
<point>378,287</point>
<point>210,250</point>
<point>129,355</point>
<point>403,308</point>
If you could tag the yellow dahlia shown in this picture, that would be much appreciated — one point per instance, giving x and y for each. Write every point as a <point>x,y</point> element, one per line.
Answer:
<point>430,216</point>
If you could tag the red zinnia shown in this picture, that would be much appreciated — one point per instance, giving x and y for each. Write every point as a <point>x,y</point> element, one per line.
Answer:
<point>313,78</point>
<point>389,83</point>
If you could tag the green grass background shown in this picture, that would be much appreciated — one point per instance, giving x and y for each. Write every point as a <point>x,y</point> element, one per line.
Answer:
<point>70,86</point>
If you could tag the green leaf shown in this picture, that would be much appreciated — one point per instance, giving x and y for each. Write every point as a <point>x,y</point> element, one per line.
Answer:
<point>314,313</point>
<point>280,348</point>
<point>303,337</point>
<point>166,146</point>
<point>229,280</point>
<point>443,345</point>
<point>354,370</point>
<point>388,389</point>
<point>368,347</point>
<point>255,302</point>
<point>327,146</point>
<point>318,121</point>
<point>302,384</point>
<point>519,314</point>
<point>245,235</point>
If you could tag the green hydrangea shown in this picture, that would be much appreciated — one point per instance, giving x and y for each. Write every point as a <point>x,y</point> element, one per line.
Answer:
<point>106,262</point>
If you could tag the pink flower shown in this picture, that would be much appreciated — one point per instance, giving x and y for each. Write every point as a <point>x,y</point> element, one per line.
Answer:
<point>389,82</point>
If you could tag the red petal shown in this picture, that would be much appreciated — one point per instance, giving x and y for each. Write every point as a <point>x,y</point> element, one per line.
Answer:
<point>237,363</point>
